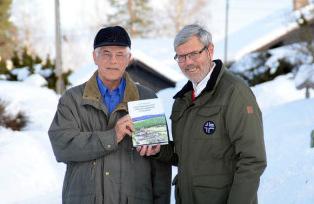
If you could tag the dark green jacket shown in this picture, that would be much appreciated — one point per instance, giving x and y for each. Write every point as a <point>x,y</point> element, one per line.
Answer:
<point>219,145</point>
<point>100,171</point>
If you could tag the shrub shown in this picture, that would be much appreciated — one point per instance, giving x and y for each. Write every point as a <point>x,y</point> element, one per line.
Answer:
<point>13,122</point>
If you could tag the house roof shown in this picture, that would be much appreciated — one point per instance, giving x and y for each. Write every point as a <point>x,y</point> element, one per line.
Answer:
<point>264,32</point>
<point>158,68</point>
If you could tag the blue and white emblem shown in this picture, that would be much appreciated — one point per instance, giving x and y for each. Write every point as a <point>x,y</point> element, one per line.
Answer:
<point>209,127</point>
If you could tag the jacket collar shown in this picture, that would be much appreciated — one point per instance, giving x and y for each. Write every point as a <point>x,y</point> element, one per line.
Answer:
<point>92,93</point>
<point>211,84</point>
<point>131,91</point>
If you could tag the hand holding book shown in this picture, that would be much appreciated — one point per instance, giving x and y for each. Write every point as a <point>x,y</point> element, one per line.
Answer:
<point>148,150</point>
<point>124,126</point>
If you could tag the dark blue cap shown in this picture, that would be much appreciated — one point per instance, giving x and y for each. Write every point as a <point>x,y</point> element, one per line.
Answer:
<point>115,35</point>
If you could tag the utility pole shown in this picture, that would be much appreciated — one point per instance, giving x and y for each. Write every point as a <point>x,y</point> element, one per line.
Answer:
<point>60,83</point>
<point>226,32</point>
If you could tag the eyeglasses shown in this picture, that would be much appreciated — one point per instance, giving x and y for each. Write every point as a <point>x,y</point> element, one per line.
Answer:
<point>106,55</point>
<point>192,55</point>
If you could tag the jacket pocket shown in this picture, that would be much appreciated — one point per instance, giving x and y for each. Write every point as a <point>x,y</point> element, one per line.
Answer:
<point>209,111</point>
<point>213,189</point>
<point>81,180</point>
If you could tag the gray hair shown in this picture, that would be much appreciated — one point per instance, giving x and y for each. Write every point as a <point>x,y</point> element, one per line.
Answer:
<point>193,30</point>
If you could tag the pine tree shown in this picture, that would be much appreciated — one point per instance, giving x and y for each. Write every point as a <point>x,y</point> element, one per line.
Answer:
<point>7,31</point>
<point>134,15</point>
<point>48,63</point>
<point>24,59</point>
<point>16,61</point>
<point>52,78</point>
<point>3,68</point>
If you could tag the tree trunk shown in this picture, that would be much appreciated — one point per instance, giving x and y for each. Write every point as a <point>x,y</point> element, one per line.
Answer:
<point>132,15</point>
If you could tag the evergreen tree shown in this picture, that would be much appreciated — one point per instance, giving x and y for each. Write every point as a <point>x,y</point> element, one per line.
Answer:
<point>7,31</point>
<point>3,68</point>
<point>48,63</point>
<point>134,15</point>
<point>23,59</point>
<point>16,60</point>
<point>52,77</point>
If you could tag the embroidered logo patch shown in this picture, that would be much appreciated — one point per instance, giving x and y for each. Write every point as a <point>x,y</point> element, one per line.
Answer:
<point>209,127</point>
<point>249,109</point>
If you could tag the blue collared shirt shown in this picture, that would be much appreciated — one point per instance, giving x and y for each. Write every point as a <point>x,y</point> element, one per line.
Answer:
<point>111,98</point>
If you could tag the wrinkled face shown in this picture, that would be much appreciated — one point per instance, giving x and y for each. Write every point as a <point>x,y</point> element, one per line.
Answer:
<point>112,62</point>
<point>195,61</point>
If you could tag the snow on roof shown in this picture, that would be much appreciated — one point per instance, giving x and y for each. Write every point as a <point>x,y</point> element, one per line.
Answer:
<point>280,30</point>
<point>264,31</point>
<point>161,68</point>
<point>276,33</point>
<point>158,54</point>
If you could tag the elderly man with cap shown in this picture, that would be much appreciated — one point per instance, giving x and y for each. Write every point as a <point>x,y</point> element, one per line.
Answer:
<point>91,131</point>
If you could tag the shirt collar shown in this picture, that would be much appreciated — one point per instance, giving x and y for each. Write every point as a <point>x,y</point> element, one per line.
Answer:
<point>104,89</point>
<point>201,86</point>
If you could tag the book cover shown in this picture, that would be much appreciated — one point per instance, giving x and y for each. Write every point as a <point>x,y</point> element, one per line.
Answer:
<point>149,121</point>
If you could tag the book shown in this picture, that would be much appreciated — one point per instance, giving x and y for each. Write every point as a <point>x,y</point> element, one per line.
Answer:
<point>149,121</point>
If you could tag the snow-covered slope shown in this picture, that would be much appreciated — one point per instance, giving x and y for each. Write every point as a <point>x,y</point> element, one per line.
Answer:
<point>289,177</point>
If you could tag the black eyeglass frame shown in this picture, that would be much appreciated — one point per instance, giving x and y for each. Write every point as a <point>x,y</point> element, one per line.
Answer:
<point>176,57</point>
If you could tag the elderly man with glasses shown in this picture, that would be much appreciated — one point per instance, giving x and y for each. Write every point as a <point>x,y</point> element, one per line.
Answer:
<point>216,127</point>
<point>91,131</point>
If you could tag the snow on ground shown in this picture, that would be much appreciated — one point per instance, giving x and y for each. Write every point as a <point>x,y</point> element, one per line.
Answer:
<point>289,177</point>
<point>288,122</point>
<point>278,92</point>
<point>305,76</point>
<point>30,174</point>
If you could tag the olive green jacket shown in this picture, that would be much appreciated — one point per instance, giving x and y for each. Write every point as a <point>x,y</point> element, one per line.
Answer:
<point>219,145</point>
<point>99,170</point>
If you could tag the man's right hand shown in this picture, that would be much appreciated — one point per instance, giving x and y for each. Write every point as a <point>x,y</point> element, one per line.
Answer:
<point>148,150</point>
<point>124,126</point>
